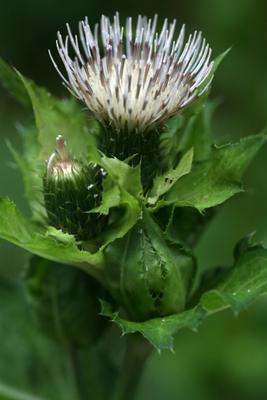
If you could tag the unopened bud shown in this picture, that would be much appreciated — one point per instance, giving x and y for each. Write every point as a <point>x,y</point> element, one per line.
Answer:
<point>154,276</point>
<point>71,190</point>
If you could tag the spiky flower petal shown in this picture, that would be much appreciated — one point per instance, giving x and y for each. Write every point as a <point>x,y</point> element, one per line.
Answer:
<point>136,77</point>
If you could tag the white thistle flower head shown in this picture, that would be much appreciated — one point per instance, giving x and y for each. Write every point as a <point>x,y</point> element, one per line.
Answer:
<point>134,78</point>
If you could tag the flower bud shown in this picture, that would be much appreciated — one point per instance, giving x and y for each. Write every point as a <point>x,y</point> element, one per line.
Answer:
<point>148,276</point>
<point>71,190</point>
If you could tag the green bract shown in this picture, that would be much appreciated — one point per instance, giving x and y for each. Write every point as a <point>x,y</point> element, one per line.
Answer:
<point>142,256</point>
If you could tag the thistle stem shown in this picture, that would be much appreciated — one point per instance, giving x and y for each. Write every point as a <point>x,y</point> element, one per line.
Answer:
<point>136,355</point>
<point>73,371</point>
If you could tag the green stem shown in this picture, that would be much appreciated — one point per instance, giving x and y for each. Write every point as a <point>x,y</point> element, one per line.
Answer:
<point>136,354</point>
<point>68,350</point>
<point>89,377</point>
<point>78,385</point>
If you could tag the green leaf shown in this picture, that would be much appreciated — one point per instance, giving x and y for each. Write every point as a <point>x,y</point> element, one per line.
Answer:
<point>212,182</point>
<point>245,281</point>
<point>12,83</point>
<point>32,170</point>
<point>216,64</point>
<point>123,218</point>
<point>29,163</point>
<point>51,244</point>
<point>158,331</point>
<point>198,133</point>
<point>165,182</point>
<point>122,194</point>
<point>65,117</point>
<point>185,224</point>
<point>111,197</point>
<point>187,130</point>
<point>126,177</point>
<point>218,60</point>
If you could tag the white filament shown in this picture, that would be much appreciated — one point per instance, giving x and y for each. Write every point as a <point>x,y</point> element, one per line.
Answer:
<point>134,80</point>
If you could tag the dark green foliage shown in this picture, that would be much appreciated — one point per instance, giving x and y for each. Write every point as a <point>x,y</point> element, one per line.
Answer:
<point>11,81</point>
<point>184,224</point>
<point>74,318</point>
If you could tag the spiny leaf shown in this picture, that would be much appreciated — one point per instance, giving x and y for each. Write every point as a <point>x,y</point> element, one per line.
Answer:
<point>122,194</point>
<point>245,281</point>
<point>212,182</point>
<point>126,177</point>
<point>158,331</point>
<point>18,230</point>
<point>165,182</point>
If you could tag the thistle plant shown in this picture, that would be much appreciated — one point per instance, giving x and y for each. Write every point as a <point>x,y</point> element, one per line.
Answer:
<point>134,81</point>
<point>120,194</point>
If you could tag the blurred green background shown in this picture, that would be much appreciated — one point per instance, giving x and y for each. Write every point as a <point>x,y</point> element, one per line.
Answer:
<point>227,358</point>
